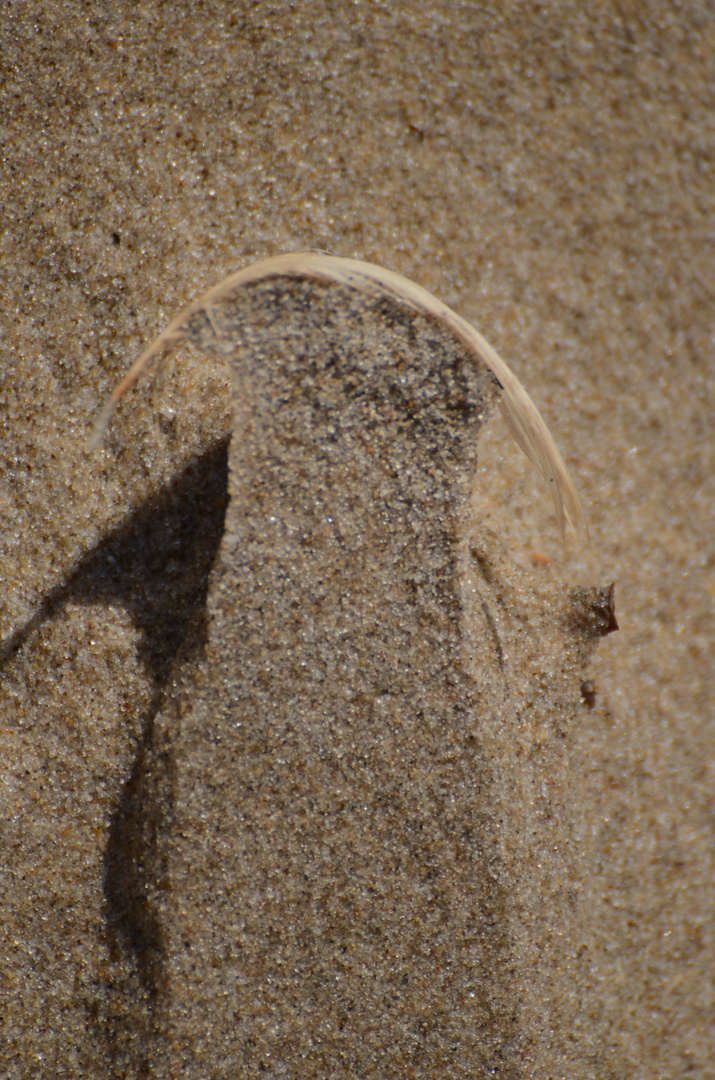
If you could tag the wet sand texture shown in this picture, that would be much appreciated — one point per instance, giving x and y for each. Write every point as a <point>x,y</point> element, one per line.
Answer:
<point>321,890</point>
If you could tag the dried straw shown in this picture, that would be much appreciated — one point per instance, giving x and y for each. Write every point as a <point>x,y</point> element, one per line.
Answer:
<point>521,415</point>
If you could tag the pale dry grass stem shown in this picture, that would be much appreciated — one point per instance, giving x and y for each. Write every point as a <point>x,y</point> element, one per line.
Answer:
<point>521,415</point>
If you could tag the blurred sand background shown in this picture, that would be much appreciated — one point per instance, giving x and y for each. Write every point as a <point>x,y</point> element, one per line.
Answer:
<point>548,171</point>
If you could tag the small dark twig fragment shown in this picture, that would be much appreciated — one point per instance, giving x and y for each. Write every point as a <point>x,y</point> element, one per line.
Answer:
<point>588,693</point>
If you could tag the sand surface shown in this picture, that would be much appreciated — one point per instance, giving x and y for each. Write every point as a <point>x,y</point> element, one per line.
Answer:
<point>548,172</point>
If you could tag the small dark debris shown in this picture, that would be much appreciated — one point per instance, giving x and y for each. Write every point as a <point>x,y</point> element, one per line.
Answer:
<point>116,238</point>
<point>588,693</point>
<point>605,610</point>
<point>594,611</point>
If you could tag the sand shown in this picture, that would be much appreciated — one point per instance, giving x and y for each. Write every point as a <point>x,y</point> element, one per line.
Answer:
<point>547,171</point>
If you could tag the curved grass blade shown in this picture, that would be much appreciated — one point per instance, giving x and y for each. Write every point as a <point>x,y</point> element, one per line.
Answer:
<point>521,415</point>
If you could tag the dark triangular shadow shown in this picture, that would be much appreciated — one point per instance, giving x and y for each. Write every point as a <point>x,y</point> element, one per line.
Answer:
<point>156,563</point>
